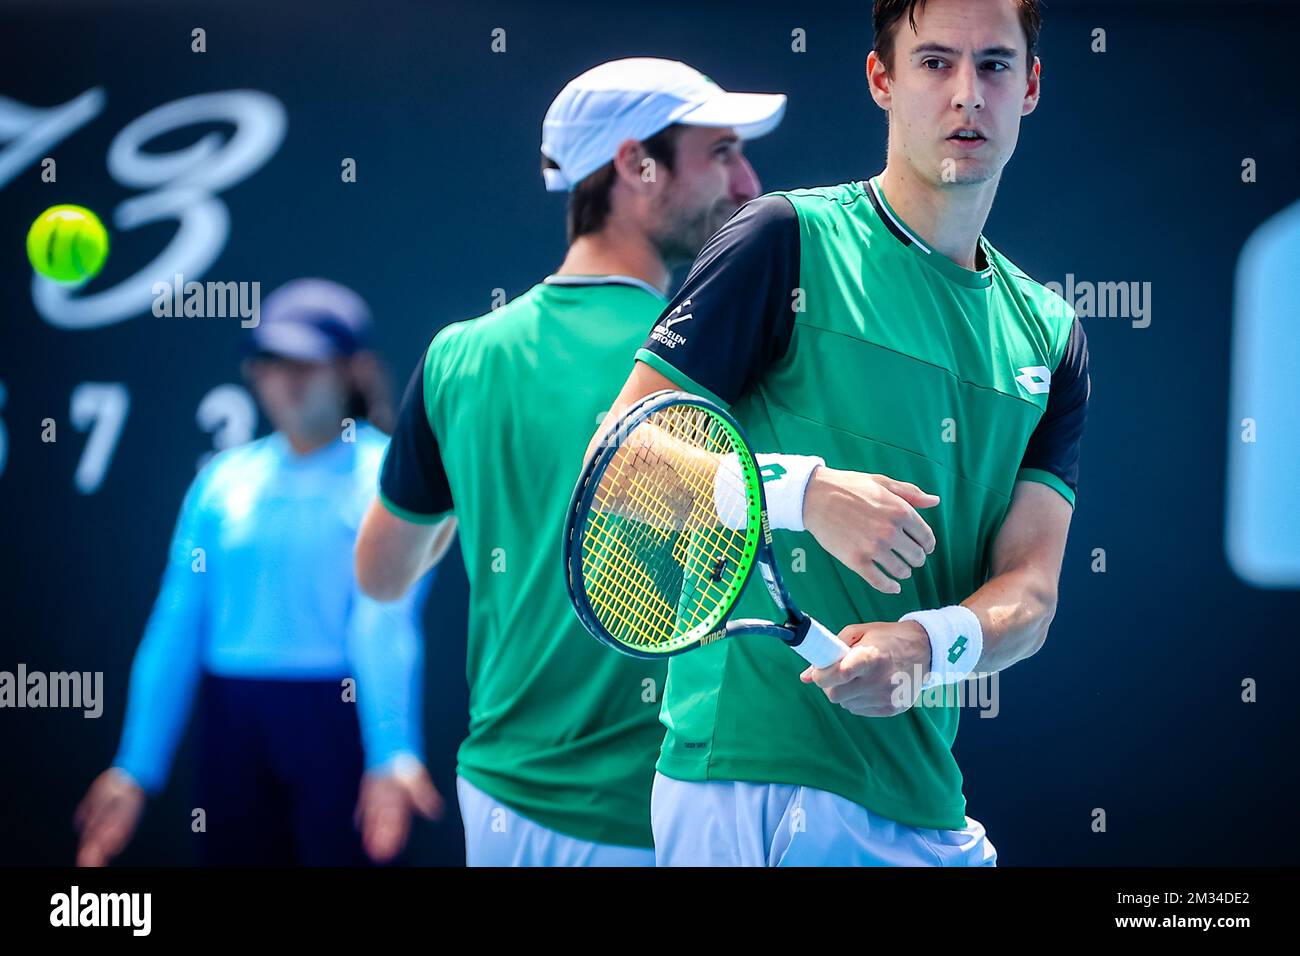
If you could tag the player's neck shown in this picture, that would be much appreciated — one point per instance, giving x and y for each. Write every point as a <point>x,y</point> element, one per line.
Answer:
<point>949,219</point>
<point>616,252</point>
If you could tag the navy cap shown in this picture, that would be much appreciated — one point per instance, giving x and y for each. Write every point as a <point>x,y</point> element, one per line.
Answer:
<point>312,320</point>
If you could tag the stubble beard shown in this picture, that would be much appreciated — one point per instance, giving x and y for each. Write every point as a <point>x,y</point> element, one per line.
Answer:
<point>682,237</point>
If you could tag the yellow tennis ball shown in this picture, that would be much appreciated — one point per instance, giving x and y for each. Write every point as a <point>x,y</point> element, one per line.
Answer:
<point>67,244</point>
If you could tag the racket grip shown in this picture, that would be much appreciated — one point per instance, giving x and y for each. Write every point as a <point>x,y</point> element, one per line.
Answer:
<point>819,646</point>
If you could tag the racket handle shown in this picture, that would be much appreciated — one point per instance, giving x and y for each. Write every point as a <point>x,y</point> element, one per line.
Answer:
<point>819,646</point>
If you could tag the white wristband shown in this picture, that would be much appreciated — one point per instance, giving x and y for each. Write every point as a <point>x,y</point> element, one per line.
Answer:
<point>785,480</point>
<point>956,643</point>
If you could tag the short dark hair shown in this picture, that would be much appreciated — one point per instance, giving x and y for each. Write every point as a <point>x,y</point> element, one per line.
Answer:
<point>889,12</point>
<point>589,201</point>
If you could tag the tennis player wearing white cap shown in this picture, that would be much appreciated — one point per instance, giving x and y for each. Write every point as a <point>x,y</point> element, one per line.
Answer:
<point>563,735</point>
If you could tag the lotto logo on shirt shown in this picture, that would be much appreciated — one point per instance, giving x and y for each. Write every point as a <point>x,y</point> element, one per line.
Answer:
<point>664,333</point>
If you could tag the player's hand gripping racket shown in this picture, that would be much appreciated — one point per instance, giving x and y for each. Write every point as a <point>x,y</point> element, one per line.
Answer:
<point>666,523</point>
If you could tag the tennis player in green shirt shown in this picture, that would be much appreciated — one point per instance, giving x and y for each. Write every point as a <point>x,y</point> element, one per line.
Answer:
<point>563,735</point>
<point>871,327</point>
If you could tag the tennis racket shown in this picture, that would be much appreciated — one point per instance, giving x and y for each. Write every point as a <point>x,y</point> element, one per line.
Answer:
<point>665,526</point>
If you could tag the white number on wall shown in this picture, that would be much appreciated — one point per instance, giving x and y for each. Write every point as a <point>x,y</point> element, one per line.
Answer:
<point>100,408</point>
<point>31,131</point>
<point>229,414</point>
<point>184,182</point>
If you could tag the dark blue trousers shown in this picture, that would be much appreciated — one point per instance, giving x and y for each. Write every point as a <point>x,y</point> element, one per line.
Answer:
<point>279,771</point>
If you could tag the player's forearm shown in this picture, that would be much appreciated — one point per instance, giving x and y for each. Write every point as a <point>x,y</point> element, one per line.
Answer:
<point>392,554</point>
<point>1016,605</point>
<point>640,383</point>
<point>1015,609</point>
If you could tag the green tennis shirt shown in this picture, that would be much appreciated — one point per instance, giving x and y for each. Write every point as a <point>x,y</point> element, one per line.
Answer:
<point>494,426</point>
<point>832,330</point>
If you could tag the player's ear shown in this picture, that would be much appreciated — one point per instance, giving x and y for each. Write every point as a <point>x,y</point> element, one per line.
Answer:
<point>631,163</point>
<point>879,82</point>
<point>1033,88</point>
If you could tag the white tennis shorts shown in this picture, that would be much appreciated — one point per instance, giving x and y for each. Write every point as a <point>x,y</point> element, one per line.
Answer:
<point>731,823</point>
<point>496,835</point>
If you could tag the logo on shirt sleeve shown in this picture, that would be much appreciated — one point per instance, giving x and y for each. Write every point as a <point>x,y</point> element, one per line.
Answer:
<point>1035,379</point>
<point>663,332</point>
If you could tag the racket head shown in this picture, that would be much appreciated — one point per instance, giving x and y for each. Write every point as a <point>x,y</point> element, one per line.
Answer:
<point>651,579</point>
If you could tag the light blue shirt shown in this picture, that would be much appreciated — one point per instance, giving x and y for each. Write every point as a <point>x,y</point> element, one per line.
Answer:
<point>259,585</point>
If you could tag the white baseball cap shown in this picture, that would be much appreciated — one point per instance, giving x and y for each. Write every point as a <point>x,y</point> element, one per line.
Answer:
<point>634,99</point>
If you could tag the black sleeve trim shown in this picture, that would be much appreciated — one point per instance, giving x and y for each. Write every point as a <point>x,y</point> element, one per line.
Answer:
<point>734,315</point>
<point>1054,445</point>
<point>412,477</point>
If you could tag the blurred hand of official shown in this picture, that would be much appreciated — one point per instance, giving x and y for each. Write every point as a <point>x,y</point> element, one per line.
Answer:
<point>388,799</point>
<point>870,524</point>
<point>881,674</point>
<point>107,817</point>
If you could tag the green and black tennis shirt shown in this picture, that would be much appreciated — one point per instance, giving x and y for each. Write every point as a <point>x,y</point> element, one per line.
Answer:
<point>494,425</point>
<point>831,329</point>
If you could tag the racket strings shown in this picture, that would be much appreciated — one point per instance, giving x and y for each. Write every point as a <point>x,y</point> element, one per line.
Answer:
<point>658,560</point>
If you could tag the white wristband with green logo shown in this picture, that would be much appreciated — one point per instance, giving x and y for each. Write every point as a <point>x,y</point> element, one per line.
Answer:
<point>956,643</point>
<point>785,480</point>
